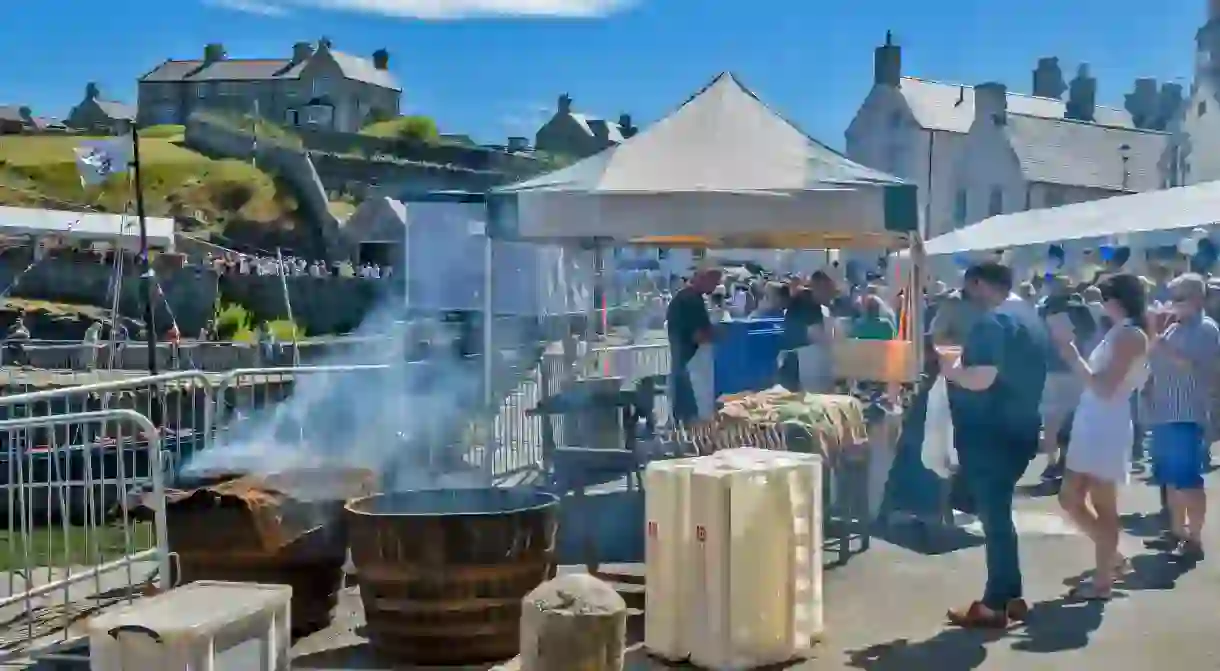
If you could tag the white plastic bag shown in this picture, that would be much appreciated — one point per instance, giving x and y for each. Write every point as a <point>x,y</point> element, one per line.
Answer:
<point>938,453</point>
<point>702,372</point>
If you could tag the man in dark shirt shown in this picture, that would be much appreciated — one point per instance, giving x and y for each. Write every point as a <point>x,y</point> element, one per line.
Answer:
<point>688,327</point>
<point>994,397</point>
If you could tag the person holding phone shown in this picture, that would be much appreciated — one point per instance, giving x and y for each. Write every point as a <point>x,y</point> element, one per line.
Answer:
<point>1099,450</point>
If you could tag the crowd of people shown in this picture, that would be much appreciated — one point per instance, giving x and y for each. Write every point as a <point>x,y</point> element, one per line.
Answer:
<point>1087,373</point>
<point>294,266</point>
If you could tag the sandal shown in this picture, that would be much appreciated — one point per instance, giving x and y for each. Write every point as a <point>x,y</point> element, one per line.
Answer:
<point>978,616</point>
<point>1089,592</point>
<point>1123,566</point>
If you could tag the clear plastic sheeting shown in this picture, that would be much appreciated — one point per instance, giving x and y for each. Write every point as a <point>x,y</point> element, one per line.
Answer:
<point>447,240</point>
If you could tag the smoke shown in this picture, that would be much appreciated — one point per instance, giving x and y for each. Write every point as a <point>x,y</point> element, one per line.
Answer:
<point>403,417</point>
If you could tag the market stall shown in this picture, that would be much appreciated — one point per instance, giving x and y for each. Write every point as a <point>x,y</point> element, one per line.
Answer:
<point>725,171</point>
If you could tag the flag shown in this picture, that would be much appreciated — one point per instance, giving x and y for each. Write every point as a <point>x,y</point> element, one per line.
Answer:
<point>98,160</point>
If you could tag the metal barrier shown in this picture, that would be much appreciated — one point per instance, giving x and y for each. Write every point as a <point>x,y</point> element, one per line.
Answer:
<point>71,547</point>
<point>632,362</point>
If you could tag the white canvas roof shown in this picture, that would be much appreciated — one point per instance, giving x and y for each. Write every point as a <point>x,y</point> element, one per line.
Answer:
<point>91,226</point>
<point>722,170</point>
<point>1141,214</point>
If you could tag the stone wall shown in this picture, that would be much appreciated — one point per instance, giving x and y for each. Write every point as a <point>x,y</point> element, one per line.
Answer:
<point>190,292</point>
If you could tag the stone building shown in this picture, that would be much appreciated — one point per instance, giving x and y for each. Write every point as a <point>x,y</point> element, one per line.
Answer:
<point>575,135</point>
<point>977,151</point>
<point>318,87</point>
<point>98,115</point>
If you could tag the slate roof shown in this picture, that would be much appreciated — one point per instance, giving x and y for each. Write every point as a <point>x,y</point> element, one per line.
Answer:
<point>950,107</point>
<point>117,110</point>
<point>1079,153</point>
<point>354,68</point>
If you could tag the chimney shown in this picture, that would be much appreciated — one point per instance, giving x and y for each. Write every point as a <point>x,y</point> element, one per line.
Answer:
<point>1169,104</point>
<point>1143,103</point>
<point>1048,79</point>
<point>324,43</point>
<point>301,51</point>
<point>516,144</point>
<point>887,63</point>
<point>565,104</point>
<point>625,127</point>
<point>92,92</point>
<point>381,59</point>
<point>991,103</point>
<point>1213,10</point>
<point>213,52</point>
<point>1082,95</point>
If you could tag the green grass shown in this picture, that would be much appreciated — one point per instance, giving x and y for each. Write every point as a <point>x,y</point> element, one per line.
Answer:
<point>23,151</point>
<point>73,546</point>
<point>40,171</point>
<point>414,127</point>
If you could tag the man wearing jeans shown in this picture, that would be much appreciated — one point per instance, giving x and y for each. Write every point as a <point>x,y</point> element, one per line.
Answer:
<point>994,397</point>
<point>1183,359</point>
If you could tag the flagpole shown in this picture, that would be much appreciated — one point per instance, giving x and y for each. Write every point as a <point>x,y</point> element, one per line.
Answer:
<point>146,273</point>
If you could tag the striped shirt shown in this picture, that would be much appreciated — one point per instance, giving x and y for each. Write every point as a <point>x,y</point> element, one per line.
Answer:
<point>1182,393</point>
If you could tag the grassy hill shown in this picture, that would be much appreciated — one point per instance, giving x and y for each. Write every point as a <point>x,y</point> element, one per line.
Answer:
<point>40,171</point>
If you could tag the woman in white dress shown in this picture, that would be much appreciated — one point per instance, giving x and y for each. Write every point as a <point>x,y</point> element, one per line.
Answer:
<point>1099,452</point>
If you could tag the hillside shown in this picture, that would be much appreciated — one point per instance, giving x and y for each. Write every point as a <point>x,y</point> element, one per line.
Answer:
<point>40,171</point>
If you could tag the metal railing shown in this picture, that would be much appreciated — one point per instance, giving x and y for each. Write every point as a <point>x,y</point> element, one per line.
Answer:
<point>71,546</point>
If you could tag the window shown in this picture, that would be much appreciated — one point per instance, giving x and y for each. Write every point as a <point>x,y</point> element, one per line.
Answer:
<point>1202,107</point>
<point>319,87</point>
<point>896,119</point>
<point>1054,196</point>
<point>959,207</point>
<point>662,254</point>
<point>995,202</point>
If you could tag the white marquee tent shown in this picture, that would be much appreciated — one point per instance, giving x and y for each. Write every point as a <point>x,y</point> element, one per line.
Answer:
<point>723,170</point>
<point>1144,219</point>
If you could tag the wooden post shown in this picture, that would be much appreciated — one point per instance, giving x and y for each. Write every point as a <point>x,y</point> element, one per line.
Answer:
<point>574,621</point>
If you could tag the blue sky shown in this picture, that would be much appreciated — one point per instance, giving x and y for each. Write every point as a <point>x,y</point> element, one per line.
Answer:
<point>492,68</point>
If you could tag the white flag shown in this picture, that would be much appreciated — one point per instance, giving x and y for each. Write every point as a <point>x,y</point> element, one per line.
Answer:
<point>98,160</point>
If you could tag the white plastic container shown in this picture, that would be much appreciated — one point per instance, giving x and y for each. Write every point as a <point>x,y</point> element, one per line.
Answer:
<point>753,578</point>
<point>203,626</point>
<point>667,541</point>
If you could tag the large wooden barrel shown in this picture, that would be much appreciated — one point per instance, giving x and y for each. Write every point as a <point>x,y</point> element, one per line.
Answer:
<point>286,528</point>
<point>442,572</point>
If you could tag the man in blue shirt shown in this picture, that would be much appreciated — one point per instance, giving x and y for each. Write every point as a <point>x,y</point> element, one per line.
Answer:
<point>995,393</point>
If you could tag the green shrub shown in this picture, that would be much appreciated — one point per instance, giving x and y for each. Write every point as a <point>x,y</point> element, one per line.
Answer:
<point>244,335</point>
<point>284,330</point>
<point>415,127</point>
<point>231,320</point>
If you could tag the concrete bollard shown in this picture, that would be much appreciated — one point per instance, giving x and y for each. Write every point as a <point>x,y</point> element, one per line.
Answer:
<point>573,623</point>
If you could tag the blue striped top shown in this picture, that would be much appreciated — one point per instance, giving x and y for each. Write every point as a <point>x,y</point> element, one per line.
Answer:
<point>1177,393</point>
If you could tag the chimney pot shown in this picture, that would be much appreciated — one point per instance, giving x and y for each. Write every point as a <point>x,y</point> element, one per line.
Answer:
<point>991,103</point>
<point>1082,96</point>
<point>381,59</point>
<point>887,63</point>
<point>625,127</point>
<point>213,52</point>
<point>1048,78</point>
<point>565,104</point>
<point>301,51</point>
<point>1143,102</point>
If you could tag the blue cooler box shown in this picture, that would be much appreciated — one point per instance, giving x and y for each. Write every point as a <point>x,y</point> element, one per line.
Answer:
<point>745,353</point>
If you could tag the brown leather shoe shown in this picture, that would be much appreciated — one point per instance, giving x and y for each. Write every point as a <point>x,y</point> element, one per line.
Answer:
<point>1017,610</point>
<point>978,616</point>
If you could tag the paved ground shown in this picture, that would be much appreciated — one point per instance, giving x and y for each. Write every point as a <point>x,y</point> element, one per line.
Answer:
<point>885,608</point>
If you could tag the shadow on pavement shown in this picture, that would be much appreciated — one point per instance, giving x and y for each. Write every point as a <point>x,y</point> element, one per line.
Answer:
<point>1144,525</point>
<point>927,537</point>
<point>950,650</point>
